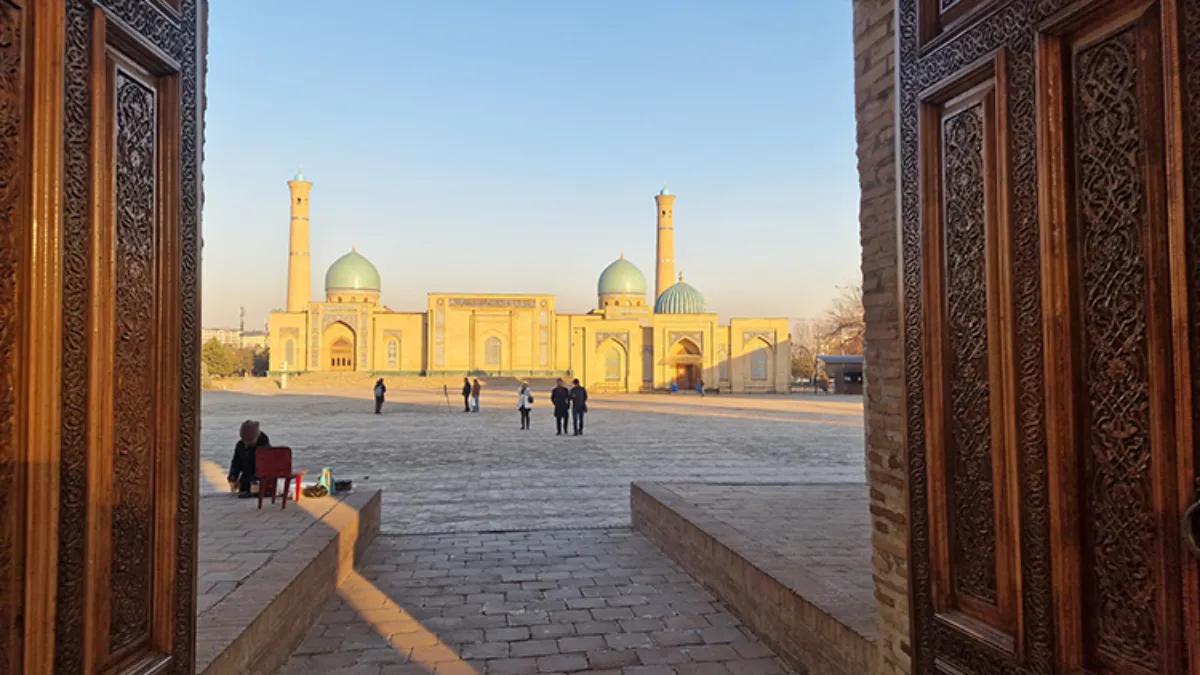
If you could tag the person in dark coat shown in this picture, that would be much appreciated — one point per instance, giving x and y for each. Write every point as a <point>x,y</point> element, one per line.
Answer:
<point>578,406</point>
<point>466,392</point>
<point>380,390</point>
<point>241,469</point>
<point>560,396</point>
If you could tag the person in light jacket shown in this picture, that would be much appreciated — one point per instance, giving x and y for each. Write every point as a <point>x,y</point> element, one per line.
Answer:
<point>578,406</point>
<point>475,389</point>
<point>524,404</point>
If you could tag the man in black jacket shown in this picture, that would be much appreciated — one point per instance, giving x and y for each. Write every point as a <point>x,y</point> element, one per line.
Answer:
<point>241,470</point>
<point>561,398</point>
<point>578,405</point>
<point>466,392</point>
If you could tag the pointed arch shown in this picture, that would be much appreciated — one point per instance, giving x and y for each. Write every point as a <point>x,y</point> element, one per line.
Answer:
<point>761,360</point>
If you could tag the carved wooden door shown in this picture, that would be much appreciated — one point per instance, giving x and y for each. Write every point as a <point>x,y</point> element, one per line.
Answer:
<point>1050,168</point>
<point>100,134</point>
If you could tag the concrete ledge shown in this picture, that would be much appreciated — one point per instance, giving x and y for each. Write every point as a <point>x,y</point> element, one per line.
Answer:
<point>255,628</point>
<point>779,601</point>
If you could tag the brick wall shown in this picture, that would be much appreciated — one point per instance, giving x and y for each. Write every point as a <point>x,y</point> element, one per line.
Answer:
<point>875,109</point>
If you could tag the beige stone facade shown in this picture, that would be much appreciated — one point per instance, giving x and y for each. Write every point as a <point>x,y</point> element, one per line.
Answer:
<point>625,345</point>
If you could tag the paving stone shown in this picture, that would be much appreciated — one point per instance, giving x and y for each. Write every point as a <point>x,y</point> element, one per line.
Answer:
<point>648,670</point>
<point>487,650</point>
<point>765,666</point>
<point>606,658</point>
<point>721,635</point>
<point>659,656</point>
<point>551,630</point>
<point>676,638</point>
<point>581,643</point>
<point>507,634</point>
<point>628,640</point>
<point>512,667</point>
<point>562,663</point>
<point>533,648</point>
<point>711,653</point>
<point>702,669</point>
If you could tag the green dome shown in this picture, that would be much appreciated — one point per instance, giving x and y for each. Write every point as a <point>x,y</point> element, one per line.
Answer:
<point>680,299</point>
<point>352,272</point>
<point>622,277</point>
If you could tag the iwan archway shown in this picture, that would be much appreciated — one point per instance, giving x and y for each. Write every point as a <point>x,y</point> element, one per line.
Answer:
<point>686,362</point>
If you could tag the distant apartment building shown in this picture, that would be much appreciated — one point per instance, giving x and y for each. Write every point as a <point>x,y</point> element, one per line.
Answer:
<point>236,338</point>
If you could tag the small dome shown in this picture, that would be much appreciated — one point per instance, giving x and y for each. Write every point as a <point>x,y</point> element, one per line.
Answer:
<point>680,299</point>
<point>622,277</point>
<point>664,192</point>
<point>352,272</point>
<point>299,177</point>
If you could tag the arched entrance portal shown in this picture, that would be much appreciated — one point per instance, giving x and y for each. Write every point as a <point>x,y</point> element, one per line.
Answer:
<point>339,347</point>
<point>685,361</point>
<point>341,355</point>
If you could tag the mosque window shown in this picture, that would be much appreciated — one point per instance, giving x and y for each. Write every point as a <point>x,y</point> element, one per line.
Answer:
<point>491,352</point>
<point>758,364</point>
<point>393,353</point>
<point>612,366</point>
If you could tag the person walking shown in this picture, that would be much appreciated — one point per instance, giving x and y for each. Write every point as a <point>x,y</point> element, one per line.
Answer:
<point>561,398</point>
<point>475,389</point>
<point>466,394</point>
<point>380,390</point>
<point>578,406</point>
<point>524,404</point>
<point>700,387</point>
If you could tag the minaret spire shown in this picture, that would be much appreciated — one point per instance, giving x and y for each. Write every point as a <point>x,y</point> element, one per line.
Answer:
<point>665,260</point>
<point>299,290</point>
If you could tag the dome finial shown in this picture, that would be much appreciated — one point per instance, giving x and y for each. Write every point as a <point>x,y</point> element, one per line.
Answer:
<point>681,277</point>
<point>622,255</point>
<point>353,248</point>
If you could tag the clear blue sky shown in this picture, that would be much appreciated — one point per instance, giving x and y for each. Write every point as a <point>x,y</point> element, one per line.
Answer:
<point>516,145</point>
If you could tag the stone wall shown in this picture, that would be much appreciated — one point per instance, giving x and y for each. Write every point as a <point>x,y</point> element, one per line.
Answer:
<point>874,69</point>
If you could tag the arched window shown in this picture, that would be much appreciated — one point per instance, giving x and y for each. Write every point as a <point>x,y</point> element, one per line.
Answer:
<point>758,364</point>
<point>612,366</point>
<point>491,352</point>
<point>289,352</point>
<point>393,351</point>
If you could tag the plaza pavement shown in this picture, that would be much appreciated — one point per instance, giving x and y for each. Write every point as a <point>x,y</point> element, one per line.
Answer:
<point>510,552</point>
<point>443,470</point>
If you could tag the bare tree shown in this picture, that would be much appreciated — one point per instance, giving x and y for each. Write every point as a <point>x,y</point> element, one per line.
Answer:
<point>806,346</point>
<point>844,323</point>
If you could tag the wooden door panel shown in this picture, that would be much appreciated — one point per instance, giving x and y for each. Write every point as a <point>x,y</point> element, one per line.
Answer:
<point>15,28</point>
<point>132,393</point>
<point>968,355</point>
<point>1046,303</point>
<point>124,566</point>
<point>1110,330</point>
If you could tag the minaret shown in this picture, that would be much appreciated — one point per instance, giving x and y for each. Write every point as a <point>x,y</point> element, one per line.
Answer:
<point>299,291</point>
<point>665,273</point>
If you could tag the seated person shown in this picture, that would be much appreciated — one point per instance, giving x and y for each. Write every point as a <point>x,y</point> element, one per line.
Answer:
<point>241,470</point>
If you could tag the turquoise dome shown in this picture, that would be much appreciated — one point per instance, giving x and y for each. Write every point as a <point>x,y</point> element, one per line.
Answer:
<point>622,277</point>
<point>352,272</point>
<point>680,299</point>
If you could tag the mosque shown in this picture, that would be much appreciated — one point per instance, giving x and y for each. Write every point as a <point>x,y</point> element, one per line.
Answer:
<point>623,345</point>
